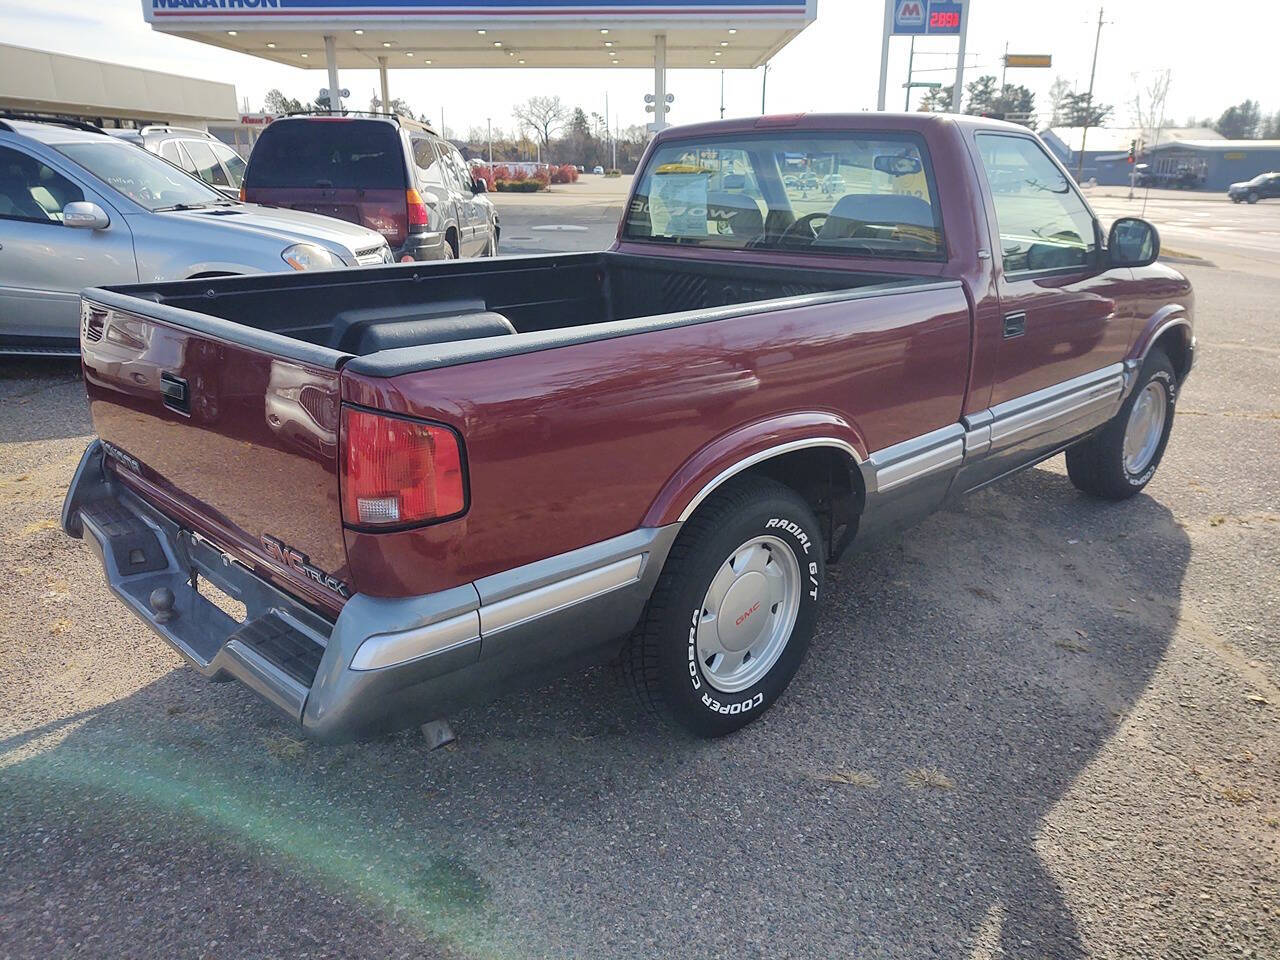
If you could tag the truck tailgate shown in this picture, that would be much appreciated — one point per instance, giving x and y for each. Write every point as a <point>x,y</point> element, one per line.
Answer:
<point>233,442</point>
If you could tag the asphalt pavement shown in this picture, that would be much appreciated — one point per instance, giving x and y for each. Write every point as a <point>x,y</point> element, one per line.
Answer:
<point>1036,726</point>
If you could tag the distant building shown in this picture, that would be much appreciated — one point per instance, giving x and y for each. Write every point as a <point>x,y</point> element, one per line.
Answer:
<point>1105,143</point>
<point>1216,164</point>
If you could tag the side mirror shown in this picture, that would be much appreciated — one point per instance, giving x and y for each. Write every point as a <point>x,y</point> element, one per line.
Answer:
<point>1132,243</point>
<point>85,215</point>
<point>479,186</point>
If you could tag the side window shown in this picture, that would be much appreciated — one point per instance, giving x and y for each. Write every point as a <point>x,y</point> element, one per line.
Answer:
<point>425,159</point>
<point>30,190</point>
<point>461,172</point>
<point>169,150</point>
<point>207,167</point>
<point>1044,225</point>
<point>231,161</point>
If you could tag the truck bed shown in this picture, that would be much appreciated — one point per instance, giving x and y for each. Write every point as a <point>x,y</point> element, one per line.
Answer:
<point>334,316</point>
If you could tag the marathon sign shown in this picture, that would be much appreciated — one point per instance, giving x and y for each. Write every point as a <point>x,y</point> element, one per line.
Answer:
<point>214,4</point>
<point>931,17</point>
<point>509,10</point>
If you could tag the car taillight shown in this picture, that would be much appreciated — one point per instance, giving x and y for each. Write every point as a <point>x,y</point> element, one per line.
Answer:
<point>419,215</point>
<point>397,472</point>
<point>243,195</point>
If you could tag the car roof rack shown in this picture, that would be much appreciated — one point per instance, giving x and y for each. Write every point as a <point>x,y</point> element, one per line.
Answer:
<point>45,118</point>
<point>169,128</point>
<point>376,114</point>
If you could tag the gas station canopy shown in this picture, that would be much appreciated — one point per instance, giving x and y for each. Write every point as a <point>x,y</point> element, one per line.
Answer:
<point>490,34</point>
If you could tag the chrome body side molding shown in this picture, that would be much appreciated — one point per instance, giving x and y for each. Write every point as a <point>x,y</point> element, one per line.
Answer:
<point>543,601</point>
<point>1092,397</point>
<point>913,459</point>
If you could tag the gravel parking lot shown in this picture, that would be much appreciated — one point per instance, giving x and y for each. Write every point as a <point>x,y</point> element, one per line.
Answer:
<point>1036,726</point>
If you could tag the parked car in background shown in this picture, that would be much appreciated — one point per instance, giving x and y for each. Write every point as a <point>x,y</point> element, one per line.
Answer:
<point>196,151</point>
<point>484,475</point>
<point>1265,186</point>
<point>385,172</point>
<point>79,208</point>
<point>833,183</point>
<point>598,170</point>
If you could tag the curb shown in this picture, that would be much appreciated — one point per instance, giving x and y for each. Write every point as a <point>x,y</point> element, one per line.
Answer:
<point>1193,261</point>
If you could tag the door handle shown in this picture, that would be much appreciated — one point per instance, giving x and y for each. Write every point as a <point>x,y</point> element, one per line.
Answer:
<point>1015,324</point>
<point>175,392</point>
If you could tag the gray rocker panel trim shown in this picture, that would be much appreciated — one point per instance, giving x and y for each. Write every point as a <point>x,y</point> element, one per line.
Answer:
<point>1093,397</point>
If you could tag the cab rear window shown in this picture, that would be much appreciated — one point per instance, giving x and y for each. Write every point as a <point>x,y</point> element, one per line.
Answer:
<point>336,153</point>
<point>868,195</point>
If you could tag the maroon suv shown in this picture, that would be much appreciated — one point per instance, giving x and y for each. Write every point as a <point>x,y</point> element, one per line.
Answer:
<point>389,173</point>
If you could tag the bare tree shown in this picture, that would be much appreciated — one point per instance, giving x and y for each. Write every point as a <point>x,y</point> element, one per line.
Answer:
<point>1059,91</point>
<point>1147,105</point>
<point>543,115</point>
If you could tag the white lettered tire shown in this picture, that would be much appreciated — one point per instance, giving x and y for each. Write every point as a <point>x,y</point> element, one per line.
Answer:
<point>733,611</point>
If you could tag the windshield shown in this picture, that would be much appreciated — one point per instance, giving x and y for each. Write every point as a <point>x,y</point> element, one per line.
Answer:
<point>141,176</point>
<point>853,194</point>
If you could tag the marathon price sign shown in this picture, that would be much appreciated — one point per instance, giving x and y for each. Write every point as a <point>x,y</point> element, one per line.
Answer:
<point>931,17</point>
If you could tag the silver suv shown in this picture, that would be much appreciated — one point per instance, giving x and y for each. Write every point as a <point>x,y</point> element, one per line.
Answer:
<point>79,209</point>
<point>198,152</point>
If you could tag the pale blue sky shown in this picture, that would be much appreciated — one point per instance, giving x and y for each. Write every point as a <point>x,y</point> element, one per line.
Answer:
<point>833,66</point>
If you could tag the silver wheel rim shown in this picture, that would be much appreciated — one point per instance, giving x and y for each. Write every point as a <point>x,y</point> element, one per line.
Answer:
<point>748,614</point>
<point>1145,428</point>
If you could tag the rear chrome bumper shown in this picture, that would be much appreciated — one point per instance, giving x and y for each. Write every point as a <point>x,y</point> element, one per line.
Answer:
<point>384,663</point>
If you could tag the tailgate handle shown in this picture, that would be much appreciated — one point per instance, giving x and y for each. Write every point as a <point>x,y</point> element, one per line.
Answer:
<point>176,396</point>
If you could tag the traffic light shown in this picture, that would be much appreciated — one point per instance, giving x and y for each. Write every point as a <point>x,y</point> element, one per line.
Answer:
<point>1133,149</point>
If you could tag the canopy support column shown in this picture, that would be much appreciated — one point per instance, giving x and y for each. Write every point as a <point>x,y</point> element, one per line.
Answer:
<point>331,60</point>
<point>386,90</point>
<point>659,82</point>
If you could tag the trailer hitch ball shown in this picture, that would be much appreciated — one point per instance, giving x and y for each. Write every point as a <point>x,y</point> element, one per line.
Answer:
<point>162,603</point>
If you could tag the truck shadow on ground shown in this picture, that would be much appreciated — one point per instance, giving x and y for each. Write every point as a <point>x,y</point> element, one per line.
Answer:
<point>905,798</point>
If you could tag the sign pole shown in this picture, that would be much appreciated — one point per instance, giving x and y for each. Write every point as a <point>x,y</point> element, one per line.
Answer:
<point>911,65</point>
<point>659,82</point>
<point>958,92</point>
<point>884,53</point>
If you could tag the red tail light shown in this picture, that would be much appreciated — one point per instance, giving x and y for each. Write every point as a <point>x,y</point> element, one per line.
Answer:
<point>397,472</point>
<point>419,215</point>
<point>243,194</point>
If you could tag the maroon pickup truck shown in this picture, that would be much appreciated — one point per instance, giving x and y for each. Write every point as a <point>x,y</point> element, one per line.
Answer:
<point>375,496</point>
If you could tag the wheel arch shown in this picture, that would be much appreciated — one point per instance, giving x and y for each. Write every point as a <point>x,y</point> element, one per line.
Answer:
<point>817,455</point>
<point>1170,330</point>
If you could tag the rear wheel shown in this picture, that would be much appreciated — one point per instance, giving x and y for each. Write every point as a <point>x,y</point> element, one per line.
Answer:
<point>1122,457</point>
<point>733,611</point>
<point>450,247</point>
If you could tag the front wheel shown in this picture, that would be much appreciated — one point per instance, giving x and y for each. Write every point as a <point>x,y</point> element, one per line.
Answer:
<point>1122,457</point>
<point>1253,198</point>
<point>732,613</point>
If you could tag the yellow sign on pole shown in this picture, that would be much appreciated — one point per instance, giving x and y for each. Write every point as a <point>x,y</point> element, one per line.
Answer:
<point>1028,60</point>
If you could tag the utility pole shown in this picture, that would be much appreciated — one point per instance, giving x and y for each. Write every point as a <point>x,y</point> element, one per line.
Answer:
<point>911,63</point>
<point>1088,115</point>
<point>764,85</point>
<point>1004,71</point>
<point>721,95</point>
<point>884,53</point>
<point>489,123</point>
<point>607,131</point>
